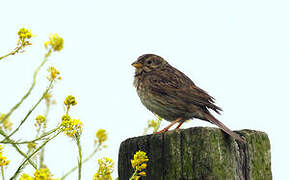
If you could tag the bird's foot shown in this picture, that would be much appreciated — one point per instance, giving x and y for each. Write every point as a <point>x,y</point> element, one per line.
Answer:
<point>162,131</point>
<point>170,125</point>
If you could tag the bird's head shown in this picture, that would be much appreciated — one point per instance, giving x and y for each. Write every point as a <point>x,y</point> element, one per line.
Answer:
<point>148,63</point>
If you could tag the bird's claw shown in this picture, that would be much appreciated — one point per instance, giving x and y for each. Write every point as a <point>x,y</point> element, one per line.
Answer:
<point>162,131</point>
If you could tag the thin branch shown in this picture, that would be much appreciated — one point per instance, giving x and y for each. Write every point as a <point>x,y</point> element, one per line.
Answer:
<point>80,156</point>
<point>133,175</point>
<point>83,162</point>
<point>17,148</point>
<point>34,140</point>
<point>41,157</point>
<point>2,173</point>
<point>31,110</point>
<point>22,165</point>
<point>30,89</point>
<point>12,52</point>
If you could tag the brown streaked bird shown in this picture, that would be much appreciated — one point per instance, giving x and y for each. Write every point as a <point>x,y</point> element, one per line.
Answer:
<point>169,93</point>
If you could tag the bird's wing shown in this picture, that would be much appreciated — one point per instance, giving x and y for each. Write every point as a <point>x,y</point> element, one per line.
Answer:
<point>175,84</point>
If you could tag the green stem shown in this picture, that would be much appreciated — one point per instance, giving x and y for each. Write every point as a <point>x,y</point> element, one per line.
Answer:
<point>41,158</point>
<point>34,140</point>
<point>133,176</point>
<point>12,52</point>
<point>67,110</point>
<point>80,156</point>
<point>2,172</point>
<point>31,110</point>
<point>22,165</point>
<point>159,123</point>
<point>47,110</point>
<point>83,162</point>
<point>17,148</point>
<point>30,89</point>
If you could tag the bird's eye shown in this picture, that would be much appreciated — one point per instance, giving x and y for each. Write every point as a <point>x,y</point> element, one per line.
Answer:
<point>149,62</point>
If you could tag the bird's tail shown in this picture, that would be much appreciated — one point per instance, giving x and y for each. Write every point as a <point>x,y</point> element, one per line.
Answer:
<point>215,121</point>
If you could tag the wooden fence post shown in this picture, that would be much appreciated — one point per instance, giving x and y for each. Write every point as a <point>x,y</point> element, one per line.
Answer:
<point>199,153</point>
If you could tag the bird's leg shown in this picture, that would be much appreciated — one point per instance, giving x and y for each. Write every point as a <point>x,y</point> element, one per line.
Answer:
<point>170,125</point>
<point>180,124</point>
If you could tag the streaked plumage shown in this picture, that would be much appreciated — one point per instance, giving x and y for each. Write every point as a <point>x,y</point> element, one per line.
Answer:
<point>169,93</point>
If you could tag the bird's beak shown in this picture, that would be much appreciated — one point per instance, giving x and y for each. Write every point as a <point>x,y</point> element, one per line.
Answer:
<point>137,65</point>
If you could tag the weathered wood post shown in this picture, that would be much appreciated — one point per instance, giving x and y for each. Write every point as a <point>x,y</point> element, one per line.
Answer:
<point>199,153</point>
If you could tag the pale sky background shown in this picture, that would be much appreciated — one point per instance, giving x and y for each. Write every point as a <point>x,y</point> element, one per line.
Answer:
<point>237,51</point>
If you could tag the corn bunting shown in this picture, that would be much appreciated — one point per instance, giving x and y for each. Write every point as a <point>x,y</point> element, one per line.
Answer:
<point>172,95</point>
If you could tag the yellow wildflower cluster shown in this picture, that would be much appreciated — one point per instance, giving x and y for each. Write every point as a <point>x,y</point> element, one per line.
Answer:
<point>105,169</point>
<point>71,126</point>
<point>43,173</point>
<point>31,146</point>
<point>7,124</point>
<point>40,120</point>
<point>70,100</point>
<point>39,174</point>
<point>24,33</point>
<point>55,42</point>
<point>139,163</point>
<point>25,177</point>
<point>152,124</point>
<point>155,124</point>
<point>101,136</point>
<point>3,159</point>
<point>54,74</point>
<point>23,36</point>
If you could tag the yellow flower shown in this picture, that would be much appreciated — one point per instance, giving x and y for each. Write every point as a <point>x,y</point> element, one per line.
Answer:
<point>65,117</point>
<point>142,173</point>
<point>24,33</point>
<point>139,158</point>
<point>39,120</point>
<point>54,74</point>
<point>101,136</point>
<point>39,174</point>
<point>141,167</point>
<point>55,42</point>
<point>23,40</point>
<point>31,146</point>
<point>70,100</point>
<point>3,159</point>
<point>136,177</point>
<point>70,126</point>
<point>155,124</point>
<point>139,164</point>
<point>7,124</point>
<point>25,177</point>
<point>105,169</point>
<point>152,123</point>
<point>43,174</point>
